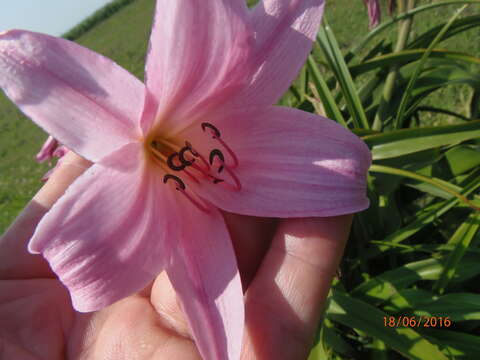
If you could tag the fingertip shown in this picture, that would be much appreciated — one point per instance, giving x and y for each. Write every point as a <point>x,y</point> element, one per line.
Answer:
<point>288,294</point>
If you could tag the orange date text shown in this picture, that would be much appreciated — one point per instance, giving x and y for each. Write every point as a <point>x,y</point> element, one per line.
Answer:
<point>417,321</point>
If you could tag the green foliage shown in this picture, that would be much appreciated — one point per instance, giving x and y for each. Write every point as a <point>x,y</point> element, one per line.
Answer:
<point>412,266</point>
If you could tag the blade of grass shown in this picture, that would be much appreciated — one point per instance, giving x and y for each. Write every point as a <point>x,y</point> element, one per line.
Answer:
<point>461,239</point>
<point>385,286</point>
<point>459,26</point>
<point>407,141</point>
<point>337,64</point>
<point>331,109</point>
<point>405,26</point>
<point>407,56</point>
<point>454,343</point>
<point>432,181</point>
<point>413,79</point>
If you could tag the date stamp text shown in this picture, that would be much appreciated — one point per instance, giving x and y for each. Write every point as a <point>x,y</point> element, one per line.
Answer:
<point>417,321</point>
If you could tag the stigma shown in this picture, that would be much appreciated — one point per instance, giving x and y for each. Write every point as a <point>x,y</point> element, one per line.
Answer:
<point>181,161</point>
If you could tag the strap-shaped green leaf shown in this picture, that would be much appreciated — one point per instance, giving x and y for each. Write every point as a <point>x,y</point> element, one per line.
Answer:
<point>407,141</point>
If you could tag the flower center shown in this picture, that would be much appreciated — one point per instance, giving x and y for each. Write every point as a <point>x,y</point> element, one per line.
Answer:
<point>185,161</point>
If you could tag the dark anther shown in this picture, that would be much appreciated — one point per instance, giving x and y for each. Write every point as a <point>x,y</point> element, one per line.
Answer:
<point>180,183</point>
<point>217,153</point>
<point>216,181</point>
<point>216,132</point>
<point>192,150</point>
<point>181,155</point>
<point>172,166</point>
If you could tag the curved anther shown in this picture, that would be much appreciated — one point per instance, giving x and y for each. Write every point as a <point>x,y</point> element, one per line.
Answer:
<point>216,153</point>
<point>192,150</point>
<point>180,183</point>
<point>181,155</point>
<point>198,155</point>
<point>215,131</point>
<point>174,167</point>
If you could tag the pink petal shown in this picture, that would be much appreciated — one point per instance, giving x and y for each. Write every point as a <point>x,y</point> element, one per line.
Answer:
<point>76,95</point>
<point>105,237</point>
<point>374,12</point>
<point>60,152</point>
<point>48,149</point>
<point>291,164</point>
<point>204,273</point>
<point>197,55</point>
<point>284,33</point>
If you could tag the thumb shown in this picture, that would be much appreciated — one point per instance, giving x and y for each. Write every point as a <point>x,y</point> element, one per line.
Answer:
<point>15,260</point>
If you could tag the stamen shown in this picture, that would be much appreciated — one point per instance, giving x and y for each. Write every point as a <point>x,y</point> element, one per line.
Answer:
<point>197,154</point>
<point>171,145</point>
<point>215,131</point>
<point>216,135</point>
<point>158,154</point>
<point>181,155</point>
<point>174,167</point>
<point>215,153</point>
<point>238,184</point>
<point>180,167</point>
<point>230,152</point>
<point>195,202</point>
<point>180,186</point>
<point>192,150</point>
<point>180,183</point>
<point>191,176</point>
<point>204,172</point>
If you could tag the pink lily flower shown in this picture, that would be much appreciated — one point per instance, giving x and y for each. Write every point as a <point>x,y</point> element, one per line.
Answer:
<point>200,136</point>
<point>374,12</point>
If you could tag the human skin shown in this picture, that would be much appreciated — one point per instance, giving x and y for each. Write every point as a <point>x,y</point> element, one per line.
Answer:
<point>286,268</point>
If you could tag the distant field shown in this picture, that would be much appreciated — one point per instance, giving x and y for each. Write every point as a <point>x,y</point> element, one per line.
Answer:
<point>123,37</point>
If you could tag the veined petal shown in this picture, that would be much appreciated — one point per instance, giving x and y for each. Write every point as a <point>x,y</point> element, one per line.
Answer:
<point>284,34</point>
<point>105,237</point>
<point>291,164</point>
<point>197,57</point>
<point>77,96</point>
<point>204,273</point>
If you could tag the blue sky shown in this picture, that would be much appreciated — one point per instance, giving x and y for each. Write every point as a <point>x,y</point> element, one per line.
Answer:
<point>52,17</point>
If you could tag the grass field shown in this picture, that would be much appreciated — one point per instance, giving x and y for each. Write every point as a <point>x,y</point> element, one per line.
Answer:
<point>123,37</point>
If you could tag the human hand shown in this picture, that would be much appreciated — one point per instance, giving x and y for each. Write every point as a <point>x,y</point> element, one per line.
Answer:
<point>286,268</point>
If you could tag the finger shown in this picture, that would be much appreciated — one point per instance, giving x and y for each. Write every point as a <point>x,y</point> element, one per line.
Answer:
<point>251,237</point>
<point>286,298</point>
<point>15,260</point>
